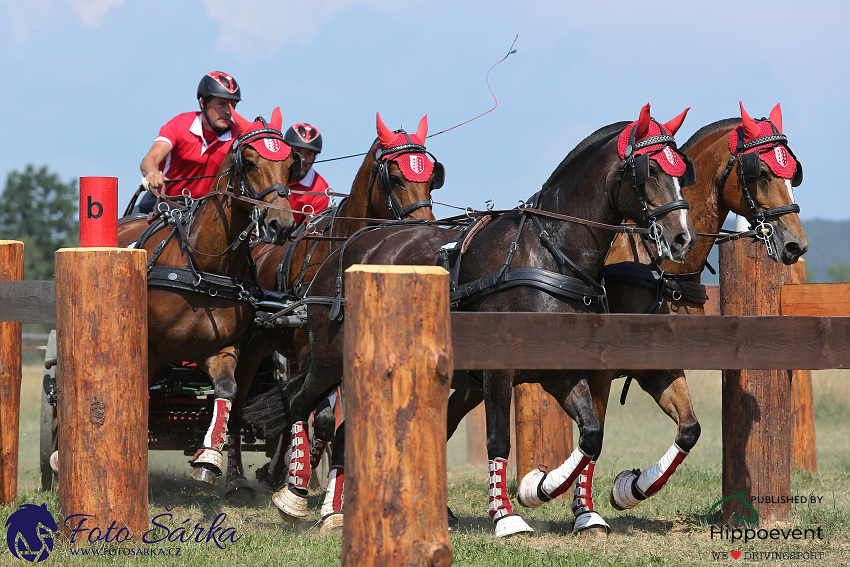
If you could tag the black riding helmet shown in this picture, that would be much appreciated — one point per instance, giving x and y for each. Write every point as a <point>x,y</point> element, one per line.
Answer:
<point>221,85</point>
<point>304,135</point>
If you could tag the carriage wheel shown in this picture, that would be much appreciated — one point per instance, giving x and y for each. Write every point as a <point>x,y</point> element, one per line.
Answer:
<point>49,432</point>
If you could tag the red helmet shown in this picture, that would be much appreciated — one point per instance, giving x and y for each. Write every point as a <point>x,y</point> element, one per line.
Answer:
<point>219,84</point>
<point>304,135</point>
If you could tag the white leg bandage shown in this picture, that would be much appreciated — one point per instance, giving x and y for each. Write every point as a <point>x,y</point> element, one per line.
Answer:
<point>655,477</point>
<point>632,487</point>
<point>334,495</point>
<point>559,480</point>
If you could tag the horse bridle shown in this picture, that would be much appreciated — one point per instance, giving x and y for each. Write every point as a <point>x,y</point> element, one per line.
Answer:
<point>639,169</point>
<point>749,167</point>
<point>245,186</point>
<point>380,170</point>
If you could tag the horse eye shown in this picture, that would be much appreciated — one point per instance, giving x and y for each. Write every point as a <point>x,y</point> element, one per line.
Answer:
<point>653,173</point>
<point>250,165</point>
<point>396,181</point>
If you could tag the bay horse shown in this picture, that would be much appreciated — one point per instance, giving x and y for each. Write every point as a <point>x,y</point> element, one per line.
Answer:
<point>551,267</point>
<point>384,188</point>
<point>743,166</point>
<point>201,293</point>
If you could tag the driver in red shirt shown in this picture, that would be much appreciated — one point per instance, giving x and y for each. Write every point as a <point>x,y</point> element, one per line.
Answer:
<point>193,144</point>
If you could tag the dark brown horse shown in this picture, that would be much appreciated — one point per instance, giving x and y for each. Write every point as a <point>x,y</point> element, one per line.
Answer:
<point>381,190</point>
<point>762,196</point>
<point>199,297</point>
<point>544,256</point>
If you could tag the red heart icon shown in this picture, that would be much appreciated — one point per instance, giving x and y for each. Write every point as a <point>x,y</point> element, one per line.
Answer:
<point>736,554</point>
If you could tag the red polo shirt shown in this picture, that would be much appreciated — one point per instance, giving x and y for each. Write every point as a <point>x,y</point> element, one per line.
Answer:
<point>311,182</point>
<point>190,155</point>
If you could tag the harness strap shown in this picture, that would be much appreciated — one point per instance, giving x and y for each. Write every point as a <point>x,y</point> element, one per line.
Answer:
<point>559,285</point>
<point>213,285</point>
<point>645,276</point>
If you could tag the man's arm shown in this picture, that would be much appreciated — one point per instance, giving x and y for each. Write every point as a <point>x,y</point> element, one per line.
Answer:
<point>150,164</point>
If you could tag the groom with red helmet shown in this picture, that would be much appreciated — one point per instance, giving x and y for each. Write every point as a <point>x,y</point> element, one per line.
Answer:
<point>193,144</point>
<point>307,142</point>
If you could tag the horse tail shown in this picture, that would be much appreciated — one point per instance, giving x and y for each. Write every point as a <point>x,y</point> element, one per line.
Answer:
<point>269,412</point>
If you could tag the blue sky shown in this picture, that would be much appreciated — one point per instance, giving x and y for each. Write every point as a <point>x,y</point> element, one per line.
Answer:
<point>89,82</point>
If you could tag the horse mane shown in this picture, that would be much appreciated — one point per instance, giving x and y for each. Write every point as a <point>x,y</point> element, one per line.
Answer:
<point>597,138</point>
<point>710,129</point>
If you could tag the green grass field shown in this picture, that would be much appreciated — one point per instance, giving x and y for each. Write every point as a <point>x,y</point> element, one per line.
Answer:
<point>667,529</point>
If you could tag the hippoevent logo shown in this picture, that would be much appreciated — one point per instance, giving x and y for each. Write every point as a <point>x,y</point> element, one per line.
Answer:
<point>30,532</point>
<point>747,534</point>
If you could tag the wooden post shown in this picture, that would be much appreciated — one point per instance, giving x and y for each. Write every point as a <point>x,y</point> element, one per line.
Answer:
<point>11,269</point>
<point>398,369</point>
<point>756,403</point>
<point>804,452</point>
<point>544,431</point>
<point>102,383</point>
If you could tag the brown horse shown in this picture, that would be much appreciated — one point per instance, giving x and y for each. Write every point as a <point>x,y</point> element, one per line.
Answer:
<point>542,257</point>
<point>381,190</point>
<point>764,196</point>
<point>199,297</point>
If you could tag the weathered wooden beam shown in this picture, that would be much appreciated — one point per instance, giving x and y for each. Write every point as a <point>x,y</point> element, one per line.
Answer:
<point>756,400</point>
<point>616,341</point>
<point>28,302</point>
<point>102,385</point>
<point>11,268</point>
<point>803,447</point>
<point>398,368</point>
<point>816,300</point>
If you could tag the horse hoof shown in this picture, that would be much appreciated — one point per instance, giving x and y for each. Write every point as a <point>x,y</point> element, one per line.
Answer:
<point>622,497</point>
<point>593,532</point>
<point>591,524</point>
<point>332,524</point>
<point>54,462</point>
<point>291,503</point>
<point>268,481</point>
<point>513,525</point>
<point>205,475</point>
<point>528,493</point>
<point>286,517</point>
<point>239,492</point>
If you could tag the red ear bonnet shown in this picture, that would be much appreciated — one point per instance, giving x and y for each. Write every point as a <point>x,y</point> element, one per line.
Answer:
<point>674,125</point>
<point>666,157</point>
<point>277,119</point>
<point>776,117</point>
<point>385,135</point>
<point>271,148</point>
<point>642,124</point>
<point>774,154</point>
<point>422,131</point>
<point>751,130</point>
<point>415,166</point>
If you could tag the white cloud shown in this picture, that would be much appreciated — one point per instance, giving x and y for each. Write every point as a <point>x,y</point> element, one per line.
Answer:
<point>274,22</point>
<point>92,12</point>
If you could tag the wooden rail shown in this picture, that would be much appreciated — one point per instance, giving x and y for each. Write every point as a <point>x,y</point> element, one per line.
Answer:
<point>617,341</point>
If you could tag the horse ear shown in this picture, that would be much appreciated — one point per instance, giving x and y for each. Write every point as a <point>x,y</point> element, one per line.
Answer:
<point>241,123</point>
<point>277,119</point>
<point>422,131</point>
<point>776,117</point>
<point>384,134</point>
<point>751,129</point>
<point>642,128</point>
<point>674,125</point>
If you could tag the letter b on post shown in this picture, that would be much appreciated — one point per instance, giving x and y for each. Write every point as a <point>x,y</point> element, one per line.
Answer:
<point>98,212</point>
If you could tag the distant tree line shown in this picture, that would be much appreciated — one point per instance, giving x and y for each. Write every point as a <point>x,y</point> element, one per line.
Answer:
<point>37,208</point>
